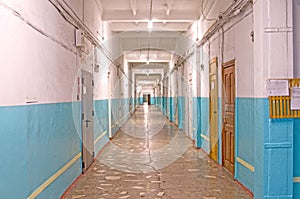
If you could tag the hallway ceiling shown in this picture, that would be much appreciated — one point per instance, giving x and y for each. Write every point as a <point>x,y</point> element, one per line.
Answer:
<point>147,81</point>
<point>151,77</point>
<point>147,77</point>
<point>154,48</point>
<point>151,65</point>
<point>126,15</point>
<point>148,59</point>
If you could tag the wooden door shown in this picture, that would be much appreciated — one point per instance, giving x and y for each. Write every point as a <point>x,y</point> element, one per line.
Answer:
<point>228,134</point>
<point>213,109</point>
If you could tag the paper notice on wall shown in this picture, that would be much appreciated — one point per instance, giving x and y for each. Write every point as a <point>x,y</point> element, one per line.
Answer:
<point>278,88</point>
<point>295,100</point>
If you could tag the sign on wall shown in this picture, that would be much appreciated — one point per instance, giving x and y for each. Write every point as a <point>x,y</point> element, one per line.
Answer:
<point>295,99</point>
<point>277,87</point>
<point>284,98</point>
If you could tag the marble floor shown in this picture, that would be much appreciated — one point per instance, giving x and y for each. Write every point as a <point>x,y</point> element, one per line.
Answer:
<point>150,158</point>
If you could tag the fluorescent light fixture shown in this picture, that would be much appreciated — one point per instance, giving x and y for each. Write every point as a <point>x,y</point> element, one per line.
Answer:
<point>150,24</point>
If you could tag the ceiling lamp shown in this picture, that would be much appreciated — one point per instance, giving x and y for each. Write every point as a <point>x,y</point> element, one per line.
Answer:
<point>150,24</point>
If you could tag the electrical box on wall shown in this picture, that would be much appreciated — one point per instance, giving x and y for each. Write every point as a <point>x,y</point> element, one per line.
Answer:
<point>78,37</point>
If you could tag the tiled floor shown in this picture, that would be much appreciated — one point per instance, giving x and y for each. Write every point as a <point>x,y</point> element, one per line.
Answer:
<point>151,158</point>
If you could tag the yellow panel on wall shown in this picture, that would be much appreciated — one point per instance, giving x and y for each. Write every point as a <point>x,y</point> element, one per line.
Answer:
<point>280,106</point>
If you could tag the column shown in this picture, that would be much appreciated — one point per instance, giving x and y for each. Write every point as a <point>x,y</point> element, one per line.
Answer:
<point>273,58</point>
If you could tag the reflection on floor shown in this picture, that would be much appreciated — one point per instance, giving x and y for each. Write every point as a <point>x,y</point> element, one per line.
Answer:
<point>151,158</point>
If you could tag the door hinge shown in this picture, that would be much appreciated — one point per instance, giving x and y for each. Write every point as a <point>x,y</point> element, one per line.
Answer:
<point>82,116</point>
<point>93,112</point>
<point>82,80</point>
<point>93,83</point>
<point>83,165</point>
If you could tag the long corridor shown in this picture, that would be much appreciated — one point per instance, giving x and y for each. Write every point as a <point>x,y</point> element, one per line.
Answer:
<point>150,99</point>
<point>150,157</point>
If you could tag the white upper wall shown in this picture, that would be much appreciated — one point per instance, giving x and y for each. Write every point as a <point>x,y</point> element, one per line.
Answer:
<point>238,45</point>
<point>297,38</point>
<point>211,9</point>
<point>38,58</point>
<point>273,47</point>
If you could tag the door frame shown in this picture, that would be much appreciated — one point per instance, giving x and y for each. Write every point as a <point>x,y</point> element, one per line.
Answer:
<point>224,66</point>
<point>214,61</point>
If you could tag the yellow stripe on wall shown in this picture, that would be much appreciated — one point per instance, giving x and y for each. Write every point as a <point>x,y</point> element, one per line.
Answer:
<point>245,164</point>
<point>99,138</point>
<point>205,137</point>
<point>54,177</point>
<point>297,179</point>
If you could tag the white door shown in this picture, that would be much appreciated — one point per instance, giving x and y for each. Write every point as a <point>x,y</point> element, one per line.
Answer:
<point>87,120</point>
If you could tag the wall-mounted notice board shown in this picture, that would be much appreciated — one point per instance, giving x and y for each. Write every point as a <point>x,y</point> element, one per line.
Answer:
<point>284,98</point>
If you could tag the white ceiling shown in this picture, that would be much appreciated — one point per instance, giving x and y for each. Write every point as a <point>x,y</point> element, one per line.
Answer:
<point>128,21</point>
<point>125,15</point>
<point>153,56</point>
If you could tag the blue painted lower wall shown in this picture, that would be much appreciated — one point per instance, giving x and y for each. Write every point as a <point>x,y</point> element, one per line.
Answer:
<point>120,113</point>
<point>196,121</point>
<point>167,106</point>
<point>164,105</point>
<point>152,101</point>
<point>245,140</point>
<point>278,159</point>
<point>101,124</point>
<point>36,141</point>
<point>172,110</point>
<point>204,124</point>
<point>181,112</point>
<point>261,115</point>
<point>136,101</point>
<point>13,149</point>
<point>157,102</point>
<point>141,101</point>
<point>296,156</point>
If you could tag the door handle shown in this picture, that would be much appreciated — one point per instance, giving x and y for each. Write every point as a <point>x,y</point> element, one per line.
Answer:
<point>87,123</point>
